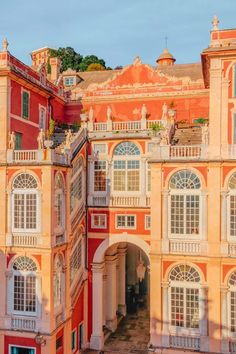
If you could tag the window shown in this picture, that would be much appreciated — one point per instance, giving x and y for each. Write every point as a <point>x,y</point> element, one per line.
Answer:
<point>100,148</point>
<point>24,286</point>
<point>25,104</point>
<point>147,222</point>
<point>99,221</point>
<point>69,81</point>
<point>21,350</point>
<point>99,176</point>
<point>59,206</point>
<point>73,340</point>
<point>232,206</point>
<point>184,203</point>
<point>81,335</point>
<point>148,177</point>
<point>150,147</point>
<point>25,203</point>
<point>232,302</point>
<point>59,342</point>
<point>42,117</point>
<point>184,297</point>
<point>234,81</point>
<point>18,145</point>
<point>125,221</point>
<point>59,286</point>
<point>76,192</point>
<point>76,258</point>
<point>126,168</point>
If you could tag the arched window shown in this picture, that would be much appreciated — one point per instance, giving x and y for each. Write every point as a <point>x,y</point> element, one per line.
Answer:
<point>25,203</point>
<point>185,204</point>
<point>59,203</point>
<point>184,297</point>
<point>232,302</point>
<point>126,167</point>
<point>24,286</point>
<point>59,279</point>
<point>76,188</point>
<point>76,258</point>
<point>232,207</point>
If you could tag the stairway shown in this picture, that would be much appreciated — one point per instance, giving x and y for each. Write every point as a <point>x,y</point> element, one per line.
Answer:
<point>187,136</point>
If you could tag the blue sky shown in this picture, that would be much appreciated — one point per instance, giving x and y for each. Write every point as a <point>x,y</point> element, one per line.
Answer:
<point>115,30</point>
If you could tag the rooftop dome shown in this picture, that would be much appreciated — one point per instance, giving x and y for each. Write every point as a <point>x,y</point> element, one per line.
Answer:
<point>166,58</point>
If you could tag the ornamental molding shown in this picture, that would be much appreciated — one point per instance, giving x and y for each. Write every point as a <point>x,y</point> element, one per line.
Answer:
<point>143,95</point>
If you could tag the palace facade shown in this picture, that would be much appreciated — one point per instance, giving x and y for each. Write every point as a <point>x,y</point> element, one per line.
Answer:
<point>139,203</point>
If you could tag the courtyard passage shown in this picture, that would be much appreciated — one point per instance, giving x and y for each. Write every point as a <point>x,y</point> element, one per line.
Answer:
<point>131,336</point>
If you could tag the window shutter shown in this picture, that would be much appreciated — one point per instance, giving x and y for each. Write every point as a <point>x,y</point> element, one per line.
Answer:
<point>10,295</point>
<point>25,104</point>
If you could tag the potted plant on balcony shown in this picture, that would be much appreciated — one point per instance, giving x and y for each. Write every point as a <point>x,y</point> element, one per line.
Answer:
<point>200,121</point>
<point>48,143</point>
<point>156,131</point>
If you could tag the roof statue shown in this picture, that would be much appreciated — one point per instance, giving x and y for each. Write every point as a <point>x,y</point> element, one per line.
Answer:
<point>137,61</point>
<point>215,22</point>
<point>5,45</point>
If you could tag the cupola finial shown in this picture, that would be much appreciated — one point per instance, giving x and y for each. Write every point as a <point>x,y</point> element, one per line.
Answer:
<point>215,22</point>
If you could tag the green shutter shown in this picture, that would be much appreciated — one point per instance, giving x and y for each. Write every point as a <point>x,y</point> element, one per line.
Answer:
<point>18,145</point>
<point>25,104</point>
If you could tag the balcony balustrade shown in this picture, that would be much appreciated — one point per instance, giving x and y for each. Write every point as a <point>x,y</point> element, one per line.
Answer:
<point>185,342</point>
<point>24,240</point>
<point>119,201</point>
<point>127,126</point>
<point>23,324</point>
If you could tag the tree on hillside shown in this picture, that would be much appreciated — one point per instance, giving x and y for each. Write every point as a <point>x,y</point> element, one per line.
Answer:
<point>69,58</point>
<point>95,67</point>
<point>91,59</point>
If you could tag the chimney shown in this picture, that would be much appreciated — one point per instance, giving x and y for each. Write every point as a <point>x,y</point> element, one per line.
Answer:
<point>55,64</point>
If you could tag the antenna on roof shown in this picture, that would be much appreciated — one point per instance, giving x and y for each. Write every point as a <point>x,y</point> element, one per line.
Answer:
<point>166,40</point>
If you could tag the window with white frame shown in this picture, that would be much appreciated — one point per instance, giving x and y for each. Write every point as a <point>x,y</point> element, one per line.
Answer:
<point>184,297</point>
<point>25,203</point>
<point>59,281</point>
<point>42,117</point>
<point>148,177</point>
<point>76,189</point>
<point>232,302</point>
<point>25,104</point>
<point>100,148</point>
<point>24,286</point>
<point>59,206</point>
<point>126,167</point>
<point>125,221</point>
<point>76,258</point>
<point>147,222</point>
<point>100,174</point>
<point>99,221</point>
<point>232,207</point>
<point>21,350</point>
<point>69,81</point>
<point>184,204</point>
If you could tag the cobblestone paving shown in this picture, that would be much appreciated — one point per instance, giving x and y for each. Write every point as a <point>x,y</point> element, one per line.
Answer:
<point>131,337</point>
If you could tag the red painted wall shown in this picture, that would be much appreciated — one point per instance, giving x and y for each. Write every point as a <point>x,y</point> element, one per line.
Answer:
<point>21,341</point>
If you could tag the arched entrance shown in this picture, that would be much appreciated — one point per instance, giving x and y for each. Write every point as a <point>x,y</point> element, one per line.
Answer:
<point>117,263</point>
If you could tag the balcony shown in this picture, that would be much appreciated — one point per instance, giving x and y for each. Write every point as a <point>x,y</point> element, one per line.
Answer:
<point>61,155</point>
<point>24,240</point>
<point>119,201</point>
<point>194,247</point>
<point>23,324</point>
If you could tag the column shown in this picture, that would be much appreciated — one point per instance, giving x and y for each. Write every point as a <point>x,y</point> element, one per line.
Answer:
<point>204,216</point>
<point>143,182</point>
<point>165,239</point>
<point>165,315</point>
<point>224,320</point>
<point>203,309</point>
<point>97,337</point>
<point>224,216</point>
<point>104,298</point>
<point>122,282</point>
<point>111,304</point>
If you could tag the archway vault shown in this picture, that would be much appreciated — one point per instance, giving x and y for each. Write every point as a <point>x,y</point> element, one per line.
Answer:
<point>115,239</point>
